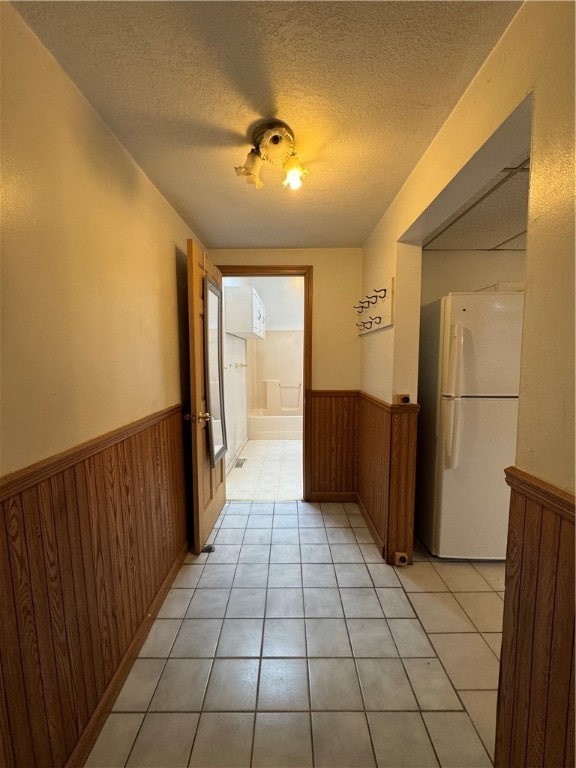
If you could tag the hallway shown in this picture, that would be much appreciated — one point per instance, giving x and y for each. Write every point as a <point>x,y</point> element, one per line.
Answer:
<point>294,645</point>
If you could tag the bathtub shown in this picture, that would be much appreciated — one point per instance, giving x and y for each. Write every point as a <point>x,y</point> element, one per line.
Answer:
<point>274,427</point>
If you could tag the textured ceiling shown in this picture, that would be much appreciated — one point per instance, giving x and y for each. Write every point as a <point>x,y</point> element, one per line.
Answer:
<point>365,86</point>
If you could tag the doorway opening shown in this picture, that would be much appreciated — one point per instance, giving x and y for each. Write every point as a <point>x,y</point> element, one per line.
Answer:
<point>264,384</point>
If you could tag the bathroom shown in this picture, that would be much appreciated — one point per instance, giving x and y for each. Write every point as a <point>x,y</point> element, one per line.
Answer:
<point>263,386</point>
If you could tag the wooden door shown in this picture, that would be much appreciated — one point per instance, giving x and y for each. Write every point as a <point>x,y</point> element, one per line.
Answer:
<point>209,483</point>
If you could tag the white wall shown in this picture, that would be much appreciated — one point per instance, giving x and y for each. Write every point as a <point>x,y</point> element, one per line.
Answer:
<point>536,54</point>
<point>336,287</point>
<point>234,354</point>
<point>89,316</point>
<point>283,299</point>
<point>453,271</point>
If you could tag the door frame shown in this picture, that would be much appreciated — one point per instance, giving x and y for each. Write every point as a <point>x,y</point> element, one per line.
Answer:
<point>257,270</point>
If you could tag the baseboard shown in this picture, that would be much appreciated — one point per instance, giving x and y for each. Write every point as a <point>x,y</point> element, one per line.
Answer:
<point>328,496</point>
<point>98,718</point>
<point>371,527</point>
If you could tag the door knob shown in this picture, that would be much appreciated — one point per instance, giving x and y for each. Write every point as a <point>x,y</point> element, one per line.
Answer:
<point>204,416</point>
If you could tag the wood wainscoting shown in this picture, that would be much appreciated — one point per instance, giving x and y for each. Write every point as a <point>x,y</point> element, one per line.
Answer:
<point>89,544</point>
<point>362,449</point>
<point>535,720</point>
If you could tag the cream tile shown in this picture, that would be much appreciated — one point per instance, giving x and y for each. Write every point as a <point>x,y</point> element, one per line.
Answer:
<point>494,640</point>
<point>283,685</point>
<point>176,604</point>
<point>468,660</point>
<point>115,741</point>
<point>208,604</point>
<point>362,535</point>
<point>232,685</point>
<point>383,575</point>
<point>334,685</point>
<point>259,521</point>
<point>285,521</point>
<point>285,553</point>
<point>246,603</point>
<point>187,577</point>
<point>314,535</point>
<point>455,740</point>
<point>340,536</point>
<point>308,508</point>
<point>461,577</point>
<point>160,638</point>
<point>192,559</point>
<point>336,521</point>
<point>240,637</point>
<point>484,608</point>
<point>421,577</point>
<point>316,553</point>
<point>311,521</point>
<point>262,508</point>
<point>254,553</point>
<point>139,686</point>
<point>332,508</point>
<point>256,535</point>
<point>401,741</point>
<point>341,740</point>
<point>385,685</point>
<point>224,553</point>
<point>218,576</point>
<point>327,637</point>
<point>224,740</point>
<point>165,739</point>
<point>357,521</point>
<point>234,521</point>
<point>284,637</point>
<point>318,575</point>
<point>282,740</point>
<point>494,573</point>
<point>285,575</point>
<point>360,603</point>
<point>481,706</point>
<point>351,508</point>
<point>439,612</point>
<point>371,553</point>
<point>371,637</point>
<point>394,603</point>
<point>181,686</point>
<point>347,553</point>
<point>251,575</point>
<point>322,603</point>
<point>431,684</point>
<point>228,536</point>
<point>285,536</point>
<point>352,574</point>
<point>410,638</point>
<point>284,603</point>
<point>197,638</point>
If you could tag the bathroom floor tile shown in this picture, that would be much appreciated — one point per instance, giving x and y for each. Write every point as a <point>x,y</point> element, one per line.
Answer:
<point>410,638</point>
<point>383,575</point>
<point>385,685</point>
<point>218,576</point>
<point>284,603</point>
<point>285,553</point>
<point>431,685</point>
<point>318,575</point>
<point>327,637</point>
<point>313,535</point>
<point>484,608</point>
<point>401,741</point>
<point>468,660</point>
<point>284,637</point>
<point>240,637</point>
<point>254,553</point>
<point>494,640</point>
<point>394,603</point>
<point>282,740</point>
<point>360,603</point>
<point>352,574</point>
<point>139,686</point>
<point>257,535</point>
<point>165,738</point>
<point>481,707</point>
<point>440,612</point>
<point>334,685</point>
<point>115,741</point>
<point>232,685</point>
<point>461,577</point>
<point>251,575</point>
<point>182,685</point>
<point>371,637</point>
<point>208,604</point>
<point>455,740</point>
<point>188,576</point>
<point>341,740</point>
<point>322,603</point>
<point>421,577</point>
<point>285,536</point>
<point>316,553</point>
<point>340,536</point>
<point>346,553</point>
<point>246,603</point>
<point>197,638</point>
<point>228,536</point>
<point>175,604</point>
<point>224,740</point>
<point>283,685</point>
<point>160,639</point>
<point>285,575</point>
<point>494,573</point>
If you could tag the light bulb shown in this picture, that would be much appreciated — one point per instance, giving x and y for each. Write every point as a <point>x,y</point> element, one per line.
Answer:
<point>294,173</point>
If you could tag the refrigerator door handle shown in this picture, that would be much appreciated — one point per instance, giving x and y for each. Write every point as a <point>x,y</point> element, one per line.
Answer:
<point>452,432</point>
<point>455,359</point>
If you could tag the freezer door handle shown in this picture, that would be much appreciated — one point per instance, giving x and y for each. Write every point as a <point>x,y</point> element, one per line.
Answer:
<point>452,413</point>
<point>455,359</point>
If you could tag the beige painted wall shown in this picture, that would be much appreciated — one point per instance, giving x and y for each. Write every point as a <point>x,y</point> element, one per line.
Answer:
<point>452,271</point>
<point>89,317</point>
<point>336,287</point>
<point>536,54</point>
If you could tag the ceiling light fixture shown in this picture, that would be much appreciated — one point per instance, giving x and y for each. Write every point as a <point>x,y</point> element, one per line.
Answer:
<point>274,143</point>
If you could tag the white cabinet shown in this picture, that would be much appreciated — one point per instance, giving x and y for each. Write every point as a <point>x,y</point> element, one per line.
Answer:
<point>245,314</point>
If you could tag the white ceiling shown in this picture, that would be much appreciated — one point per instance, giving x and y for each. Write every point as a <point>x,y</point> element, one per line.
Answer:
<point>365,86</point>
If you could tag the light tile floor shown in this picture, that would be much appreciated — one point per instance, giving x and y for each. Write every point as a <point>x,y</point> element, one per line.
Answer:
<point>293,644</point>
<point>273,470</point>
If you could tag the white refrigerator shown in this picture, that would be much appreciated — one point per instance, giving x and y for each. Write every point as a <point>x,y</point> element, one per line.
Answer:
<point>468,394</point>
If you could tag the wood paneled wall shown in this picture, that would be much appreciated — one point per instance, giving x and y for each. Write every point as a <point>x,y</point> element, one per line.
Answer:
<point>387,472</point>
<point>363,449</point>
<point>535,720</point>
<point>331,424</point>
<point>88,543</point>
